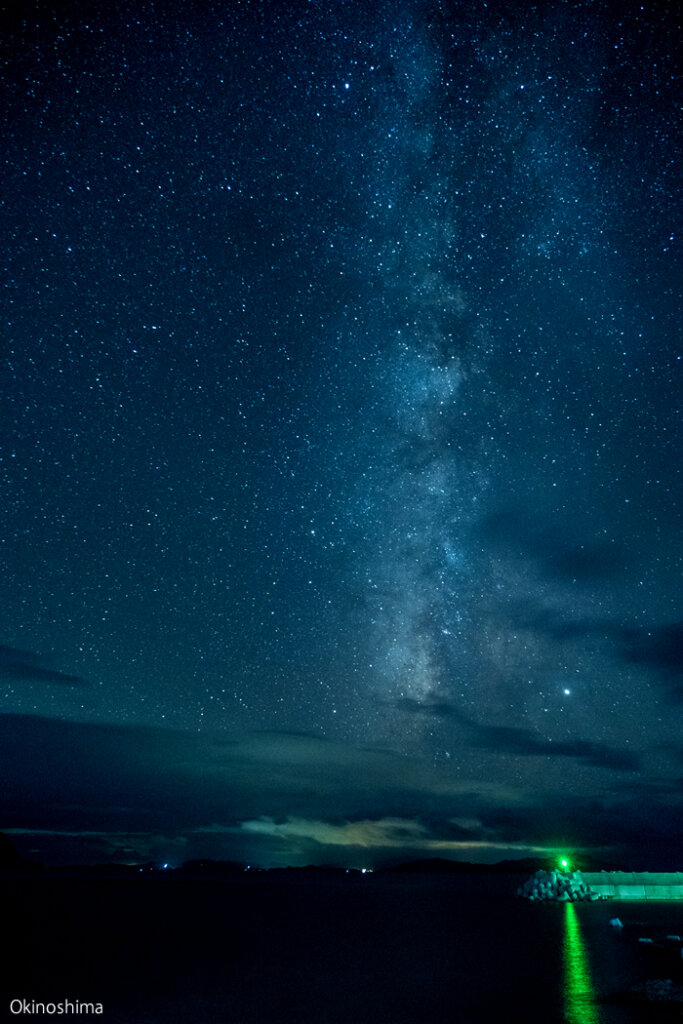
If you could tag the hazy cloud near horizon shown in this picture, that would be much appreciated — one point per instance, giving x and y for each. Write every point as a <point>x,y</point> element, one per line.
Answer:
<point>137,793</point>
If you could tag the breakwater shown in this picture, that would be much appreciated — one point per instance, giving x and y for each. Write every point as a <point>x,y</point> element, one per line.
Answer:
<point>557,887</point>
<point>635,885</point>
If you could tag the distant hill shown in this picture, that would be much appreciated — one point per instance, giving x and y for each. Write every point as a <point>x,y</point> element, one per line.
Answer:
<point>439,865</point>
<point>9,858</point>
<point>527,866</point>
<point>206,866</point>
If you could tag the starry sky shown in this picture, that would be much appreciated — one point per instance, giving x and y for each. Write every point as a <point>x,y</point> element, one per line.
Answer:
<point>340,463</point>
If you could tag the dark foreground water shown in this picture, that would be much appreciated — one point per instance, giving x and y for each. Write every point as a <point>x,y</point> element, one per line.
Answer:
<point>265,949</point>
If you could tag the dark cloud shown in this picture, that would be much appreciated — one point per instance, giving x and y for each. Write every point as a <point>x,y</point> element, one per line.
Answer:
<point>610,826</point>
<point>518,741</point>
<point>24,666</point>
<point>144,777</point>
<point>555,625</point>
<point>586,562</point>
<point>659,649</point>
<point>554,556</point>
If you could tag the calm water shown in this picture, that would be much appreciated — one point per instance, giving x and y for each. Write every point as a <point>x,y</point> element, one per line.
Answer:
<point>364,950</point>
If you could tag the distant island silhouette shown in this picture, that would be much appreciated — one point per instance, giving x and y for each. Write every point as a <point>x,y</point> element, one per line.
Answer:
<point>11,861</point>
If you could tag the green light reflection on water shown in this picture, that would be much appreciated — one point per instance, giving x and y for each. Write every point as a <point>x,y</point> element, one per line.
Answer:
<point>579,994</point>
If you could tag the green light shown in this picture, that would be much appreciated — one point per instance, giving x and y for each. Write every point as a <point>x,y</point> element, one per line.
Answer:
<point>579,994</point>
<point>564,864</point>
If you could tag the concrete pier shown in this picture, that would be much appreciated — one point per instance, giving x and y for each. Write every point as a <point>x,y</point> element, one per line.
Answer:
<point>638,885</point>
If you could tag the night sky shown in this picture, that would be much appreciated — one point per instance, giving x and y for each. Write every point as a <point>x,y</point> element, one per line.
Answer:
<point>340,490</point>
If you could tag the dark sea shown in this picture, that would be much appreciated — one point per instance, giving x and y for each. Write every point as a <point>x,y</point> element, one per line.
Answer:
<point>271,948</point>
